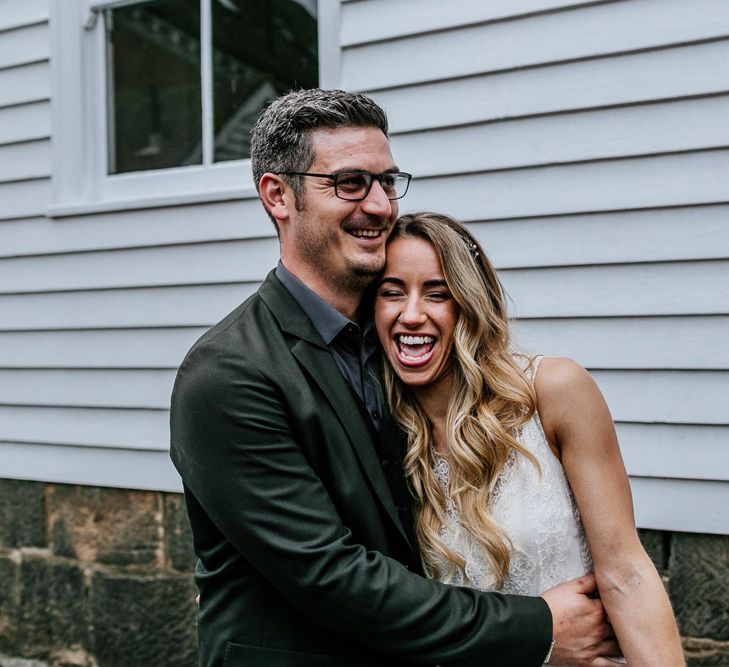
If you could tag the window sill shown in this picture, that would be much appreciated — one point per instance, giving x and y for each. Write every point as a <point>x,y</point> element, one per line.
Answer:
<point>69,209</point>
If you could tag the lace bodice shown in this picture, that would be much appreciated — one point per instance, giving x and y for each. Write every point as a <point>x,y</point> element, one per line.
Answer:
<point>539,515</point>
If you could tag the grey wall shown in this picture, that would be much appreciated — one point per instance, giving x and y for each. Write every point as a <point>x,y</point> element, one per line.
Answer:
<point>585,144</point>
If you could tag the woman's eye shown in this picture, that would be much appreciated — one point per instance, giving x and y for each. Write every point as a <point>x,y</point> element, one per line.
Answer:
<point>439,296</point>
<point>389,293</point>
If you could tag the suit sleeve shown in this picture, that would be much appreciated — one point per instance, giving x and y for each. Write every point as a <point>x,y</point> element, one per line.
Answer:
<point>236,453</point>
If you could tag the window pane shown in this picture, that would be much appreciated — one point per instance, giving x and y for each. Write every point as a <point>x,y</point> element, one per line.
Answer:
<point>260,50</point>
<point>154,85</point>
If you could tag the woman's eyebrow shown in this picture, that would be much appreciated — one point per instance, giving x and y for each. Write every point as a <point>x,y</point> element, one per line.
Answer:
<point>391,279</point>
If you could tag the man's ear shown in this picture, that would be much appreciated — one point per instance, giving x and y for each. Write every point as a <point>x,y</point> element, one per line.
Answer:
<point>275,195</point>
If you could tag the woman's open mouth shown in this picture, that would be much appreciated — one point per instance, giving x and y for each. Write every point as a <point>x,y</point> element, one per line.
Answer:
<point>414,350</point>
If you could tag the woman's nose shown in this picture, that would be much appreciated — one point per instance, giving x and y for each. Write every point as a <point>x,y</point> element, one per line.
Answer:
<point>412,314</point>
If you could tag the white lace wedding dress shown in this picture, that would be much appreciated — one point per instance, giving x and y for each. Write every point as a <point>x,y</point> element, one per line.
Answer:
<point>539,515</point>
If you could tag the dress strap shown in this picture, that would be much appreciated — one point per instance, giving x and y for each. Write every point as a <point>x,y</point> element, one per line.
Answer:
<point>533,366</point>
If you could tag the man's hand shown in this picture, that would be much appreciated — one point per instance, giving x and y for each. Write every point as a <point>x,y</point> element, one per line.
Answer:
<point>579,626</point>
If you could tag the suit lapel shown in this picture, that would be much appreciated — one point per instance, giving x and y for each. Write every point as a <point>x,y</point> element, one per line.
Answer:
<point>314,355</point>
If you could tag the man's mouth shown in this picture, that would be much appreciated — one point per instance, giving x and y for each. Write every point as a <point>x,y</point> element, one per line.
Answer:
<point>365,233</point>
<point>414,350</point>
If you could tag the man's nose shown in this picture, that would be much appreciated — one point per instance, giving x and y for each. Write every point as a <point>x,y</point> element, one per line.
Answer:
<point>376,201</point>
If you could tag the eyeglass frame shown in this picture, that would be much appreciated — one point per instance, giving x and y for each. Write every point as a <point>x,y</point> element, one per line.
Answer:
<point>372,177</point>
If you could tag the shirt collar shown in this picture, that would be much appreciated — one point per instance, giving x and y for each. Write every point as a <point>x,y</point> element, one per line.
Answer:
<point>327,320</point>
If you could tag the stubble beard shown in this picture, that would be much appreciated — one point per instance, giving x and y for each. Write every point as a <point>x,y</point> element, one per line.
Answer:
<point>358,271</point>
<point>360,275</point>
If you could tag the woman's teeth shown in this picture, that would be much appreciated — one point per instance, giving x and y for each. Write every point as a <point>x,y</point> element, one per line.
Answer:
<point>415,340</point>
<point>415,348</point>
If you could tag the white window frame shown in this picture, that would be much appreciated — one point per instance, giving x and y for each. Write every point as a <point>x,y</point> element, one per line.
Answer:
<point>80,182</point>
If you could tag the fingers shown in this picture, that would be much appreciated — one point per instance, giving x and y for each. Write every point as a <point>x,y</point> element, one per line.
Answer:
<point>605,662</point>
<point>586,584</point>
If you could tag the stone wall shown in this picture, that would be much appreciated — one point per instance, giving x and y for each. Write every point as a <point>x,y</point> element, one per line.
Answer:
<point>93,577</point>
<point>695,569</point>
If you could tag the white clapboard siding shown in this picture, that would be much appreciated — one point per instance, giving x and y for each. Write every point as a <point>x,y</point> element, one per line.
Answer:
<point>625,236</point>
<point>240,219</point>
<point>694,70</point>
<point>582,293</point>
<point>675,450</point>
<point>630,342</point>
<point>135,388</point>
<point>700,288</point>
<point>597,134</point>
<point>651,235</point>
<point>26,83</point>
<point>24,198</point>
<point>669,180</point>
<point>21,161</point>
<point>113,348</point>
<point>671,397</point>
<point>102,427</point>
<point>681,504</point>
<point>95,466</point>
<point>217,262</point>
<point>655,397</point>
<point>585,143</point>
<point>25,122</point>
<point>25,45</point>
<point>21,13</point>
<point>363,22</point>
<point>579,33</point>
<point>195,305</point>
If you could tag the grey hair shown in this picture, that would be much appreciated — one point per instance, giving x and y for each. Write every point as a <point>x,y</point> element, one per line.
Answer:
<point>281,137</point>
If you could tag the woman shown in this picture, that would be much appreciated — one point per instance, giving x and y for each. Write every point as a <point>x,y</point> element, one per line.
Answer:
<point>508,457</point>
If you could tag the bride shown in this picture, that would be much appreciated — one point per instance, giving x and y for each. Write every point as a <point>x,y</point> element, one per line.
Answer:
<point>513,461</point>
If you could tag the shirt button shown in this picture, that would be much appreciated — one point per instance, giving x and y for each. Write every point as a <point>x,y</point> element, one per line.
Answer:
<point>375,415</point>
<point>385,463</point>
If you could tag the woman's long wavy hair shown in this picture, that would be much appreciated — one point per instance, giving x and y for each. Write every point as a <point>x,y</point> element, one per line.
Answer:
<point>491,400</point>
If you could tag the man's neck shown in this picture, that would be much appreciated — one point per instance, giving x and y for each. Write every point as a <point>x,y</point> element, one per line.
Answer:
<point>345,298</point>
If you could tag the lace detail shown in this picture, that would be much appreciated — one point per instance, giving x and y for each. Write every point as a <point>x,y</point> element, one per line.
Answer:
<point>536,509</point>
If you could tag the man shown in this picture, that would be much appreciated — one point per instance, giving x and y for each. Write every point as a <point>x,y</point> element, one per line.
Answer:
<point>292,476</point>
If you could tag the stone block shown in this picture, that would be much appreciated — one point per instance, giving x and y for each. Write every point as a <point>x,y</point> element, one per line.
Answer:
<point>143,620</point>
<point>705,653</point>
<point>108,526</point>
<point>657,545</point>
<point>52,615</point>
<point>22,514</point>
<point>9,604</point>
<point>699,584</point>
<point>6,661</point>
<point>178,536</point>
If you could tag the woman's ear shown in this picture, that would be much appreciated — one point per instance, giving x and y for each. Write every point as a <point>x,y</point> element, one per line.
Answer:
<point>275,195</point>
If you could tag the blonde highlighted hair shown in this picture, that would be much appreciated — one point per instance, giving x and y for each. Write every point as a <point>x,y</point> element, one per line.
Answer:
<point>491,399</point>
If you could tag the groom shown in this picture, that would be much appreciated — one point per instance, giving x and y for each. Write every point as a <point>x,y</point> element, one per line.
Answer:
<point>292,471</point>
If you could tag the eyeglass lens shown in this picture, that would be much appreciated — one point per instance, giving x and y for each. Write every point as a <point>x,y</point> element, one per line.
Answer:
<point>356,185</point>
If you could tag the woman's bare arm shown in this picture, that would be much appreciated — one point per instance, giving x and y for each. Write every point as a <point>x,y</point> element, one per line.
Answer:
<point>580,430</point>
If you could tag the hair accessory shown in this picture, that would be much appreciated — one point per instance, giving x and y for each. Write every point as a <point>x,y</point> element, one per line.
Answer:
<point>472,248</point>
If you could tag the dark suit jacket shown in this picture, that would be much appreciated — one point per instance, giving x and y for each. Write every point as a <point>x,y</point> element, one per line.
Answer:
<point>303,560</point>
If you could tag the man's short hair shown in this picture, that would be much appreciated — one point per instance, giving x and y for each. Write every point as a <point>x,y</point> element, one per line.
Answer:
<point>280,139</point>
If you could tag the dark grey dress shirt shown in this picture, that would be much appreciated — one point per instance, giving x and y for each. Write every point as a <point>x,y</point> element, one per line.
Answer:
<point>355,348</point>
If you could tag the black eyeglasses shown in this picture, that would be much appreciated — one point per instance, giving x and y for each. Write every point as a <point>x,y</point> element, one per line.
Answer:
<point>356,185</point>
